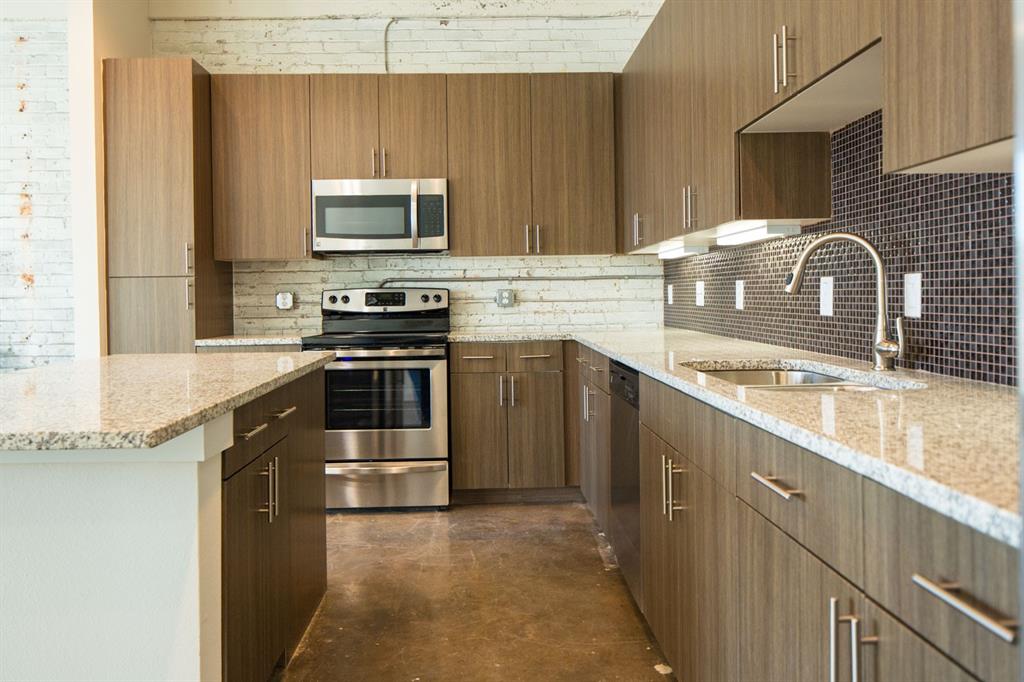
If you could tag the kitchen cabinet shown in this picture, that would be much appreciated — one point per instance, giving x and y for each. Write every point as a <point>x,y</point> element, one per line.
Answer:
<point>595,437</point>
<point>274,559</point>
<point>899,654</point>
<point>947,75</point>
<point>489,164</point>
<point>572,365</point>
<point>164,287</point>
<point>572,163</point>
<point>261,166</point>
<point>507,419</point>
<point>370,126</point>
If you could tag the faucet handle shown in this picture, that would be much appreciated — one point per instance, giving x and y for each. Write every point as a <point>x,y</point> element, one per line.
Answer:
<point>901,339</point>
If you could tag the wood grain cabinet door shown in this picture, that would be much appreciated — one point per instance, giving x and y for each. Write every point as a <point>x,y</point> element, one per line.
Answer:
<point>947,74</point>
<point>151,314</point>
<point>573,163</point>
<point>899,654</point>
<point>344,127</point>
<point>413,125</point>
<point>653,529</point>
<point>261,171</point>
<point>536,437</point>
<point>489,190</point>
<point>479,431</point>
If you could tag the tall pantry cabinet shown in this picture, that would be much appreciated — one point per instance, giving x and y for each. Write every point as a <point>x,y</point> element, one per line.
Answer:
<point>164,288</point>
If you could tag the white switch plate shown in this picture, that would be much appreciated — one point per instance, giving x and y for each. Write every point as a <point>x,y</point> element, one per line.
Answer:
<point>739,294</point>
<point>700,293</point>
<point>669,294</point>
<point>827,287</point>
<point>912,294</point>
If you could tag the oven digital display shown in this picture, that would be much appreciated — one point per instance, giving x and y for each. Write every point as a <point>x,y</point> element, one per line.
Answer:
<point>385,298</point>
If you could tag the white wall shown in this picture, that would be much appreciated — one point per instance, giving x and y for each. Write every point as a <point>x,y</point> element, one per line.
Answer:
<point>36,292</point>
<point>438,36</point>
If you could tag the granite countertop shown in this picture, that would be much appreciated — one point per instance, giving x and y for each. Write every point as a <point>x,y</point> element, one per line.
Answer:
<point>136,401</point>
<point>250,340</point>
<point>951,445</point>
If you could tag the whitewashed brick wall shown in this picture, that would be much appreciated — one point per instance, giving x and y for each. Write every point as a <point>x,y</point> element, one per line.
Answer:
<point>438,44</point>
<point>633,299</point>
<point>36,305</point>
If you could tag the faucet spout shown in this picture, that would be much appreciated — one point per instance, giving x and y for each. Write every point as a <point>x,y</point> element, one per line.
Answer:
<point>885,349</point>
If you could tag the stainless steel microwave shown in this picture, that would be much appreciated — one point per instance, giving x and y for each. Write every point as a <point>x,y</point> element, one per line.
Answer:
<point>380,215</point>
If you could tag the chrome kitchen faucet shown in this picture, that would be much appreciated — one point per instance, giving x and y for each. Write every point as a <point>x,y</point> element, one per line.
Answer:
<point>886,350</point>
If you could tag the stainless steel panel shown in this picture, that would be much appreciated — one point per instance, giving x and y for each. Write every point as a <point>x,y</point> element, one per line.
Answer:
<point>391,444</point>
<point>624,513</point>
<point>357,300</point>
<point>387,484</point>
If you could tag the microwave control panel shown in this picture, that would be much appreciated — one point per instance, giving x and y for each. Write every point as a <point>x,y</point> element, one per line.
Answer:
<point>430,215</point>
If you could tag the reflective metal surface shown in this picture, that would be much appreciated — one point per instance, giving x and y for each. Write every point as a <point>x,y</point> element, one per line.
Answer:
<point>365,485</point>
<point>885,349</point>
<point>772,377</point>
<point>624,512</point>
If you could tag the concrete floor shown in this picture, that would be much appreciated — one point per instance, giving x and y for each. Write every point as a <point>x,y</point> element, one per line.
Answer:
<point>485,592</point>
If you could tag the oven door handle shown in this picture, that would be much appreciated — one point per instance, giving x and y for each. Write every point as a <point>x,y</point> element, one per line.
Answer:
<point>435,352</point>
<point>386,470</point>
<point>385,364</point>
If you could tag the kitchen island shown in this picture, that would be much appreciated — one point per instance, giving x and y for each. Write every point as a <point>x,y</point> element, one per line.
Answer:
<point>112,476</point>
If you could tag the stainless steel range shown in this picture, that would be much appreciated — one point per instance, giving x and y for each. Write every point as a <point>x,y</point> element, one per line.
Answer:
<point>386,397</point>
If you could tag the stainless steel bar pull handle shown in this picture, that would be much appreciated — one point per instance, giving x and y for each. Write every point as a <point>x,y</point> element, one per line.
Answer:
<point>477,357</point>
<point>689,205</point>
<point>285,412</point>
<point>775,63</point>
<point>672,506</point>
<point>249,434</point>
<point>589,413</point>
<point>536,238</point>
<point>534,357</point>
<point>189,263</point>
<point>1005,630</point>
<point>277,488</point>
<point>512,390</point>
<point>188,294</point>
<point>833,622</point>
<point>373,162</point>
<point>383,162</point>
<point>586,407</point>
<point>785,56</point>
<point>527,230</point>
<point>501,390</point>
<point>770,483</point>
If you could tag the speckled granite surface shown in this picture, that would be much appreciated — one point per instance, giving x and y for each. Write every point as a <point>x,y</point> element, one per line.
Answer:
<point>241,340</point>
<point>951,445</point>
<point>136,401</point>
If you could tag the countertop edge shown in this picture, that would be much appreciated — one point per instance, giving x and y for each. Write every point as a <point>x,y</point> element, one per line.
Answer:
<point>150,438</point>
<point>995,522</point>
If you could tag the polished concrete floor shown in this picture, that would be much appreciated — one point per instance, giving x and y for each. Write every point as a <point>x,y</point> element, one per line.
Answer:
<point>484,592</point>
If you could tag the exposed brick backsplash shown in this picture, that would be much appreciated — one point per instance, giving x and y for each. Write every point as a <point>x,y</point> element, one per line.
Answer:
<point>632,299</point>
<point>956,229</point>
<point>36,305</point>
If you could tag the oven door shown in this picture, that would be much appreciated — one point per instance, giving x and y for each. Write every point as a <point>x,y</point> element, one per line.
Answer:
<point>386,408</point>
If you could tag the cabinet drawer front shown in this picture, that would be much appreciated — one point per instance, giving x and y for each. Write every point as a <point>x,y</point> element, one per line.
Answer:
<point>478,357</point>
<point>913,556</point>
<point>535,356</point>
<point>816,502</point>
<point>660,410</point>
<point>597,371</point>
<point>258,424</point>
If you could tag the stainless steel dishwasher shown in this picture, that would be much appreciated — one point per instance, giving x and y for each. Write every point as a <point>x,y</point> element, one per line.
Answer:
<point>624,516</point>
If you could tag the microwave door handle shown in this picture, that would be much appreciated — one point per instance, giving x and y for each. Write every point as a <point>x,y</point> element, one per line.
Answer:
<point>414,209</point>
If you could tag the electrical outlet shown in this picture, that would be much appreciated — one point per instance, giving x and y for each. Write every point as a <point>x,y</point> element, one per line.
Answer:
<point>669,294</point>
<point>912,294</point>
<point>739,294</point>
<point>284,300</point>
<point>700,293</point>
<point>506,298</point>
<point>826,296</point>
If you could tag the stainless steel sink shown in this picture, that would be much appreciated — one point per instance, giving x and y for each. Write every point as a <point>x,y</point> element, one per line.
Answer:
<point>785,379</point>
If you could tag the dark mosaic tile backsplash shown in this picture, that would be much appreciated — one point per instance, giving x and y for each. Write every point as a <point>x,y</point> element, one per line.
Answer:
<point>957,230</point>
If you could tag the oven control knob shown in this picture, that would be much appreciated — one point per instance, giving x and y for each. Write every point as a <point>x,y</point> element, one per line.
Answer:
<point>437,298</point>
<point>332,299</point>
<point>345,299</point>
<point>424,298</point>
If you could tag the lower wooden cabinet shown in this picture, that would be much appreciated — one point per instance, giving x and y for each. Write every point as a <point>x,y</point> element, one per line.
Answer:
<point>274,534</point>
<point>507,430</point>
<point>595,450</point>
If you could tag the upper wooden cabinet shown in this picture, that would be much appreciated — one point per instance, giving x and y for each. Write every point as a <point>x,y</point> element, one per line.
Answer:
<point>370,126</point>
<point>531,164</point>
<point>164,288</point>
<point>947,86</point>
<point>489,195</point>
<point>261,170</point>
<point>573,162</point>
